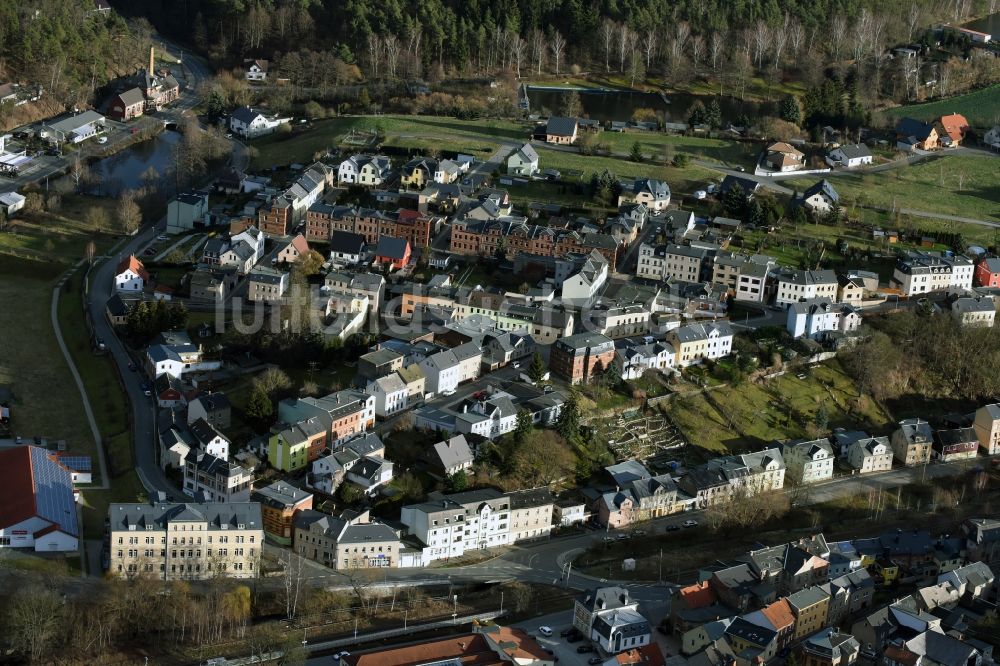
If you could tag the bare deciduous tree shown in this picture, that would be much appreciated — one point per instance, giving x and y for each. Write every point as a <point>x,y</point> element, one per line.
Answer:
<point>697,47</point>
<point>608,31</point>
<point>649,39</point>
<point>558,46</point>
<point>33,621</point>
<point>838,33</point>
<point>538,49</point>
<point>716,45</point>
<point>518,48</point>
<point>129,213</point>
<point>761,35</point>
<point>391,47</point>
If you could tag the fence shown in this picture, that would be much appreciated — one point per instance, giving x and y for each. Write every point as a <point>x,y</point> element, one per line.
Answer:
<point>358,639</point>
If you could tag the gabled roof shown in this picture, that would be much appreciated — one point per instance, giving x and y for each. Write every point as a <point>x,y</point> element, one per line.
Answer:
<point>390,247</point>
<point>854,151</point>
<point>954,126</point>
<point>346,242</point>
<point>454,451</point>
<point>33,484</point>
<point>132,264</point>
<point>204,432</point>
<point>527,153</point>
<point>561,126</point>
<point>132,97</point>
<point>824,188</point>
<point>909,127</point>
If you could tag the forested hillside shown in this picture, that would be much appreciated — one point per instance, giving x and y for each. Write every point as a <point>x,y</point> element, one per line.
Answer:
<point>67,48</point>
<point>482,34</point>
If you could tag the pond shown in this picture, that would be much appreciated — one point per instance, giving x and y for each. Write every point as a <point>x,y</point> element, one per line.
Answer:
<point>988,24</point>
<point>125,170</point>
<point>607,105</point>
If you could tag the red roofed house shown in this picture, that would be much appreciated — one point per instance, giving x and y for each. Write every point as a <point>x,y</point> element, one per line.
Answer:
<point>952,129</point>
<point>987,272</point>
<point>131,275</point>
<point>37,506</point>
<point>295,248</point>
<point>647,655</point>
<point>489,646</point>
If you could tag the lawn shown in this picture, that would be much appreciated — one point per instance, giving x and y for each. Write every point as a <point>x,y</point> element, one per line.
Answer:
<point>425,133</point>
<point>683,180</point>
<point>107,398</point>
<point>951,184</point>
<point>981,108</point>
<point>658,145</point>
<point>748,417</point>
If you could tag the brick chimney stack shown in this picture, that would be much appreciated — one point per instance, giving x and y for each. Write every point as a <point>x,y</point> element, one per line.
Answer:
<point>150,70</point>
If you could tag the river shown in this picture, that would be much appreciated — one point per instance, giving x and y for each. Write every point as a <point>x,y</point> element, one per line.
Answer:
<point>125,170</point>
<point>607,105</point>
<point>988,24</point>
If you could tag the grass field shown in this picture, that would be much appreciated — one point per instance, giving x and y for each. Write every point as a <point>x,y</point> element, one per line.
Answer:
<point>680,180</point>
<point>750,416</point>
<point>657,145</point>
<point>34,252</point>
<point>961,185</point>
<point>981,108</point>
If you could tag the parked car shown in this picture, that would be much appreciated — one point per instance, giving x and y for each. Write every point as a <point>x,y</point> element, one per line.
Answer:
<point>640,533</point>
<point>623,537</point>
<point>596,660</point>
<point>689,523</point>
<point>700,194</point>
<point>102,140</point>
<point>574,638</point>
<point>163,237</point>
<point>671,528</point>
<point>583,649</point>
<point>131,366</point>
<point>545,631</point>
<point>340,655</point>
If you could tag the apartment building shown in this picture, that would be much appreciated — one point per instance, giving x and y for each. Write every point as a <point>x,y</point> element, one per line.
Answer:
<point>795,286</point>
<point>670,261</point>
<point>923,272</point>
<point>211,479</point>
<point>343,414</point>
<point>912,442</point>
<point>697,341</point>
<point>347,542</point>
<point>531,513</point>
<point>279,502</point>
<point>472,237</point>
<point>578,357</point>
<point>324,220</point>
<point>189,541</point>
<point>451,525</point>
<point>808,461</point>
<point>987,425</point>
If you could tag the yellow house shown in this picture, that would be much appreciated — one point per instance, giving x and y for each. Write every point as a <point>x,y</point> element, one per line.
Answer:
<point>886,570</point>
<point>417,173</point>
<point>810,607</point>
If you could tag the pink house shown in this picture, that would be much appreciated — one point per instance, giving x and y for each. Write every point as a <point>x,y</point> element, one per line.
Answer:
<point>616,509</point>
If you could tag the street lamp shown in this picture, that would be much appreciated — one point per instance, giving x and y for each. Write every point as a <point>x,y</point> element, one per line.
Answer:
<point>454,614</point>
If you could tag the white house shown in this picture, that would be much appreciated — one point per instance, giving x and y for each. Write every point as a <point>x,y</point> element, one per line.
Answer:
<point>364,170</point>
<point>849,156</point>
<point>441,371</point>
<point>620,630</point>
<point>921,272</point>
<point>654,194</point>
<point>370,472</point>
<point>250,123</point>
<point>73,129</point>
<point>992,137</point>
<point>257,70</point>
<point>130,275</point>
<point>346,248</point>
<point>186,209</point>
<point>581,287</point>
<point>816,317</point>
<point>632,361</point>
<point>490,418</point>
<point>447,172</point>
<point>870,454</point>
<point>453,455</point>
<point>797,285</point>
<point>11,202</point>
<point>174,354</point>
<point>820,198</point>
<point>523,161</point>
<point>390,395</point>
<point>974,311</point>
<point>209,439</point>
<point>697,341</point>
<point>39,507</point>
<point>253,237</point>
<point>808,461</point>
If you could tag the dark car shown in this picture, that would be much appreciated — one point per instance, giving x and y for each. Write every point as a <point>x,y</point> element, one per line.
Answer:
<point>672,528</point>
<point>574,638</point>
<point>566,632</point>
<point>583,649</point>
<point>595,660</point>
<point>131,366</point>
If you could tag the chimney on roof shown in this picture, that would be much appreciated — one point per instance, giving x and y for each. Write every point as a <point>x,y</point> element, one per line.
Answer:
<point>150,70</point>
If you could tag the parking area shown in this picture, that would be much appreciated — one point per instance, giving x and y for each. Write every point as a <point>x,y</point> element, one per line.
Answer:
<point>564,648</point>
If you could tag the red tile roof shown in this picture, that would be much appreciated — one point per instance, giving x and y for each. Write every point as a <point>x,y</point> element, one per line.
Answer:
<point>954,125</point>
<point>470,649</point>
<point>133,264</point>
<point>647,655</point>
<point>779,614</point>
<point>515,643</point>
<point>300,244</point>
<point>698,595</point>
<point>17,486</point>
